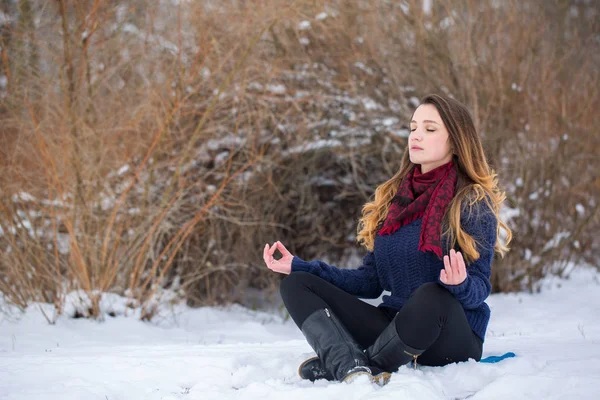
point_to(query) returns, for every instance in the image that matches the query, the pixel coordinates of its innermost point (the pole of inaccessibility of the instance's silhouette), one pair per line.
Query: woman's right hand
(284, 264)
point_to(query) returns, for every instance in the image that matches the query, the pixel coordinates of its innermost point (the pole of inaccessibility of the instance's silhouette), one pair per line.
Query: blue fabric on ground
(495, 359)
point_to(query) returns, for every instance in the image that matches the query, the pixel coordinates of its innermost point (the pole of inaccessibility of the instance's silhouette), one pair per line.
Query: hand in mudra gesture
(284, 264)
(455, 270)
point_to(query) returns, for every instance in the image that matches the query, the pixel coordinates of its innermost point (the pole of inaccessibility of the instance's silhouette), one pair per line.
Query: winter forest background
(151, 148)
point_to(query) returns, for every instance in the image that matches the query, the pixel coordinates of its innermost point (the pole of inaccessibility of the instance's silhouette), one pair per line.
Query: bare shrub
(149, 145)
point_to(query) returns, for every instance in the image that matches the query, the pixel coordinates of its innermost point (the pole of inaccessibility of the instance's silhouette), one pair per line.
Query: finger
(443, 276)
(269, 259)
(273, 248)
(454, 263)
(462, 266)
(265, 252)
(282, 249)
(448, 268)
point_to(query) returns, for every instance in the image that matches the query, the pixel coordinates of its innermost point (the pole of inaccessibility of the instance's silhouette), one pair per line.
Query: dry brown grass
(187, 97)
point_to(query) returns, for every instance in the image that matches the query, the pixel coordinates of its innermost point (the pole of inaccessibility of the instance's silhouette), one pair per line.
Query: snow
(364, 68)
(556, 239)
(5, 19)
(123, 170)
(390, 121)
(236, 353)
(24, 196)
(277, 89)
(427, 6)
(154, 39)
(371, 104)
(304, 25)
(507, 213)
(315, 145)
(255, 86)
(534, 196)
(402, 133)
(519, 182)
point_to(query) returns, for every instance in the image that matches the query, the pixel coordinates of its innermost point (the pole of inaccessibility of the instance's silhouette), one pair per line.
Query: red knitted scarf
(423, 195)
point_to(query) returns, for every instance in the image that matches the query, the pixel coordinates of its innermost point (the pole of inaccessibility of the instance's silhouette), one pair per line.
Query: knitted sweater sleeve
(481, 224)
(362, 282)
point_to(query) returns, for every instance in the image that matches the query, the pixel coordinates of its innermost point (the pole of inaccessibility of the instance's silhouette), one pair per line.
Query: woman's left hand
(455, 270)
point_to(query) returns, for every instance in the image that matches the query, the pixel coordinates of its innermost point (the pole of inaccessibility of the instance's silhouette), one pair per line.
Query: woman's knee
(434, 297)
(431, 289)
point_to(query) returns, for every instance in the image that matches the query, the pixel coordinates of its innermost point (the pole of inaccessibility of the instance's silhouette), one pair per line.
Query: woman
(430, 233)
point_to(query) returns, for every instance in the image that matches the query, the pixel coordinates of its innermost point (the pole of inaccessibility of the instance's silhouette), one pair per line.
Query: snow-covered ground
(236, 353)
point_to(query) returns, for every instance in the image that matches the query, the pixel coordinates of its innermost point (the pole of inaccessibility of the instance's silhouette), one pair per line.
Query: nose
(416, 135)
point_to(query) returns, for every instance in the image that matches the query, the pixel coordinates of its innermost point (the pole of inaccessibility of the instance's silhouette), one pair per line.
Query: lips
(415, 148)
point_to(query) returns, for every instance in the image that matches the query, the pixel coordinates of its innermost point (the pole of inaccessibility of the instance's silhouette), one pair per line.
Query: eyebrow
(427, 120)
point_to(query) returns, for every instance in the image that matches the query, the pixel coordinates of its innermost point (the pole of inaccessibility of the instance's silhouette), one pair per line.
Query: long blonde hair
(476, 181)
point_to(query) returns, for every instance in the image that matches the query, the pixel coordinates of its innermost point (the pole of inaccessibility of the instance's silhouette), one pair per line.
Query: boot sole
(380, 379)
(303, 364)
(350, 378)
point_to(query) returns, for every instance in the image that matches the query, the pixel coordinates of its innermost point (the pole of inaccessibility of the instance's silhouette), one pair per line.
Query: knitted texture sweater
(395, 265)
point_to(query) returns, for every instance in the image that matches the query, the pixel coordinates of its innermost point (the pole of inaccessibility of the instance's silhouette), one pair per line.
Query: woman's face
(428, 142)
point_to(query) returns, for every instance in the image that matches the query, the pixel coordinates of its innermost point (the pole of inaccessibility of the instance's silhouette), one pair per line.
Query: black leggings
(431, 319)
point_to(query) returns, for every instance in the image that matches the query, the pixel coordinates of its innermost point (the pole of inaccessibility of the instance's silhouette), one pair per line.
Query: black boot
(341, 356)
(389, 352)
(313, 369)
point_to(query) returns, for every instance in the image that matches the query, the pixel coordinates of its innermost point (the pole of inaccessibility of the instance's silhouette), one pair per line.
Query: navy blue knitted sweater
(397, 266)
